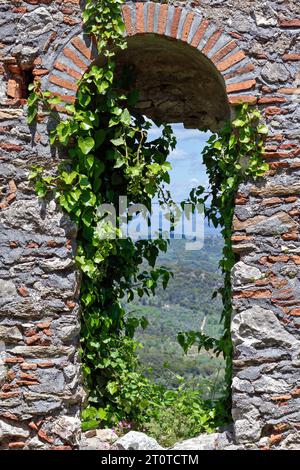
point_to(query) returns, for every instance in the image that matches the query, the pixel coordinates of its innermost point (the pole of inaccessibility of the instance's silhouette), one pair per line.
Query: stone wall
(254, 46)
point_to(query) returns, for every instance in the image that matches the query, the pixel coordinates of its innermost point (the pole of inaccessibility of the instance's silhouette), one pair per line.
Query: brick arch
(174, 22)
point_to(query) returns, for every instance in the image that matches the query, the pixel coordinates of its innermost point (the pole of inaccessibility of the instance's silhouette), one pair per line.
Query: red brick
(42, 435)
(13, 360)
(273, 110)
(81, 47)
(289, 91)
(240, 99)
(32, 339)
(291, 23)
(8, 415)
(28, 366)
(211, 41)
(240, 238)
(75, 59)
(33, 426)
(16, 445)
(224, 51)
(293, 236)
(150, 17)
(61, 448)
(278, 259)
(127, 19)
(291, 57)
(23, 291)
(162, 18)
(271, 201)
(231, 60)
(140, 27)
(275, 438)
(295, 312)
(241, 199)
(296, 392)
(70, 21)
(8, 395)
(295, 259)
(52, 243)
(21, 10)
(45, 364)
(32, 245)
(281, 398)
(14, 89)
(246, 85)
(199, 33)
(275, 165)
(290, 199)
(239, 71)
(27, 382)
(175, 22)
(66, 98)
(11, 147)
(253, 294)
(40, 72)
(45, 324)
(25, 376)
(63, 83)
(187, 26)
(271, 99)
(70, 303)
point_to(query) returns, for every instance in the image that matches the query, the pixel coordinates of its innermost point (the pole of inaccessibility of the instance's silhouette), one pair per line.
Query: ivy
(108, 154)
(232, 156)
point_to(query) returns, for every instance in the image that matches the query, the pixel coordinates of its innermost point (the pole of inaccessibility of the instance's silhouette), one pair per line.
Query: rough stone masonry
(253, 49)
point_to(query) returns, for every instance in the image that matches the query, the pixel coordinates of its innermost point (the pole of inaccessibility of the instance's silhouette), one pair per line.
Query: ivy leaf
(117, 142)
(262, 129)
(86, 145)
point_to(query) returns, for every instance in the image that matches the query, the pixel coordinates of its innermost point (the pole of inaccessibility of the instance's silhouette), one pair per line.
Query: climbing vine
(232, 156)
(109, 154)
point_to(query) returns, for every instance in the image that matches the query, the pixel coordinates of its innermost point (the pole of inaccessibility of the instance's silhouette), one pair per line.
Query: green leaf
(86, 144)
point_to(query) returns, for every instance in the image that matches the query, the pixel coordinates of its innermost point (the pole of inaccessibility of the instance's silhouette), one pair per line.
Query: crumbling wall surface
(40, 372)
(40, 391)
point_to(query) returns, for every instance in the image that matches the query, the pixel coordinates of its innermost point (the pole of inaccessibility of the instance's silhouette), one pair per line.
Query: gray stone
(267, 226)
(10, 334)
(93, 443)
(35, 443)
(265, 16)
(275, 72)
(259, 328)
(25, 55)
(7, 289)
(57, 264)
(137, 441)
(68, 429)
(201, 442)
(8, 431)
(271, 385)
(247, 425)
(244, 274)
(7, 113)
(292, 442)
(107, 435)
(35, 23)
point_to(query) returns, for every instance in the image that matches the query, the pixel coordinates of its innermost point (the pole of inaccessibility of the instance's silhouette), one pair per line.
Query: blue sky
(188, 170)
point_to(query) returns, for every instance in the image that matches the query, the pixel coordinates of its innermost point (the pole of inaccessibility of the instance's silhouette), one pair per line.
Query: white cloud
(178, 154)
(181, 133)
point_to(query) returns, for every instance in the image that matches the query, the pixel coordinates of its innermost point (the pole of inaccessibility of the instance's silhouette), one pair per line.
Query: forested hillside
(186, 304)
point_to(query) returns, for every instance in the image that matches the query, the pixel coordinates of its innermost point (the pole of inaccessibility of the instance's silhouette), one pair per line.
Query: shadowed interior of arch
(176, 83)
